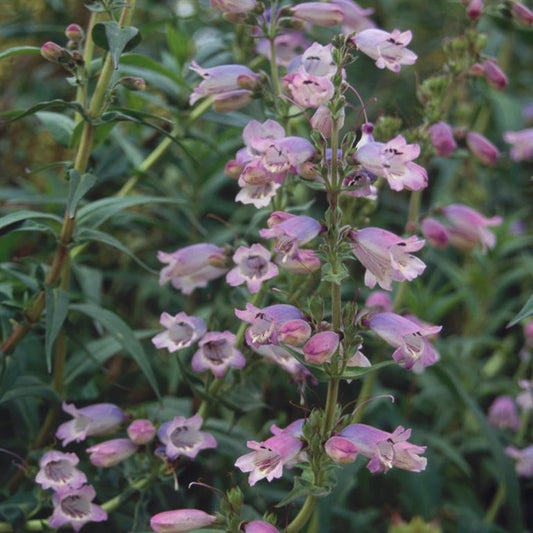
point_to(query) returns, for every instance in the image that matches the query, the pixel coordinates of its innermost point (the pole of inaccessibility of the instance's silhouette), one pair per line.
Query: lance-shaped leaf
(12, 221)
(526, 311)
(116, 40)
(56, 311)
(20, 51)
(79, 186)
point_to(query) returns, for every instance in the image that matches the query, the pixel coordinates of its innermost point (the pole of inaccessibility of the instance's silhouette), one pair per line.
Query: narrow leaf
(124, 335)
(115, 39)
(17, 114)
(56, 311)
(12, 220)
(79, 186)
(59, 125)
(526, 311)
(20, 51)
(24, 386)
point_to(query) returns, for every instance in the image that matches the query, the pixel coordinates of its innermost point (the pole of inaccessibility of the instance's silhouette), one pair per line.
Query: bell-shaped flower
(355, 17)
(222, 79)
(266, 323)
(253, 267)
(394, 162)
(322, 120)
(385, 450)
(58, 470)
(97, 419)
(386, 256)
(193, 266)
(255, 133)
(442, 139)
(259, 526)
(481, 148)
(491, 71)
(316, 60)
(182, 436)
(141, 431)
(216, 352)
(320, 347)
(387, 49)
(111, 452)
(181, 332)
(75, 508)
(319, 13)
(523, 458)
(181, 521)
(258, 185)
(521, 144)
(308, 90)
(231, 100)
(413, 350)
(504, 414)
(467, 227)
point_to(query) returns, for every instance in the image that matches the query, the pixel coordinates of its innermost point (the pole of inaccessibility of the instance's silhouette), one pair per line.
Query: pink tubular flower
(320, 347)
(97, 419)
(253, 267)
(521, 144)
(385, 450)
(141, 431)
(355, 17)
(308, 90)
(182, 436)
(181, 521)
(468, 227)
(181, 332)
(193, 266)
(394, 162)
(217, 352)
(522, 14)
(386, 256)
(481, 148)
(111, 452)
(413, 350)
(441, 135)
(340, 450)
(319, 13)
(58, 470)
(524, 460)
(221, 80)
(492, 73)
(259, 526)
(435, 232)
(379, 301)
(74, 507)
(387, 49)
(503, 413)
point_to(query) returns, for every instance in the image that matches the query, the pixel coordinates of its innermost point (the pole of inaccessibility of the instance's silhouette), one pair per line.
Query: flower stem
(497, 502)
(303, 516)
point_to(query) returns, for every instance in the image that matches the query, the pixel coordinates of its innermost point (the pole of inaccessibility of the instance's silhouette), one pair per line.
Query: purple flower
(258, 185)
(217, 353)
(141, 431)
(340, 450)
(524, 460)
(253, 267)
(259, 526)
(97, 419)
(413, 350)
(181, 332)
(521, 144)
(299, 261)
(319, 13)
(468, 227)
(522, 14)
(74, 507)
(320, 347)
(386, 256)
(223, 80)
(503, 413)
(355, 17)
(435, 232)
(481, 148)
(181, 521)
(265, 324)
(441, 135)
(490, 70)
(111, 452)
(379, 301)
(387, 49)
(182, 436)
(394, 162)
(322, 120)
(192, 266)
(308, 90)
(58, 470)
(385, 450)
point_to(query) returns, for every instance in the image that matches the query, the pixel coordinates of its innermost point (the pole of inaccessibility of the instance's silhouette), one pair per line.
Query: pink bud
(133, 83)
(141, 431)
(341, 450)
(482, 148)
(522, 14)
(319, 13)
(74, 32)
(294, 332)
(53, 52)
(494, 74)
(441, 135)
(111, 452)
(474, 10)
(435, 233)
(259, 526)
(321, 347)
(180, 521)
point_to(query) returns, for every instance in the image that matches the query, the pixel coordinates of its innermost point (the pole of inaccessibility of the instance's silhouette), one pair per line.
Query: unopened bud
(522, 14)
(233, 169)
(494, 74)
(482, 148)
(132, 83)
(72, 45)
(74, 32)
(55, 53)
(474, 10)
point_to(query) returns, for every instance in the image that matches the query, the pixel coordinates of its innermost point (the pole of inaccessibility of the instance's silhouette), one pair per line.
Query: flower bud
(259, 526)
(55, 53)
(522, 14)
(74, 32)
(442, 139)
(319, 13)
(141, 431)
(474, 10)
(133, 83)
(494, 74)
(341, 450)
(111, 452)
(180, 521)
(294, 332)
(435, 233)
(482, 148)
(233, 169)
(321, 347)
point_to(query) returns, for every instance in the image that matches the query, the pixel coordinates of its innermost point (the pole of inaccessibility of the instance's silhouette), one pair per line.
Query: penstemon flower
(523, 458)
(141, 431)
(181, 521)
(181, 332)
(111, 452)
(259, 526)
(504, 414)
(58, 470)
(216, 352)
(521, 144)
(319, 13)
(253, 267)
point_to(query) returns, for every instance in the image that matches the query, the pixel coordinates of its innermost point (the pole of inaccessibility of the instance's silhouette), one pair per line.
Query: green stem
(497, 502)
(303, 516)
(273, 66)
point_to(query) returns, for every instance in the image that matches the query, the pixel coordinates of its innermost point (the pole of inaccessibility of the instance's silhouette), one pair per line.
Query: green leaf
(116, 40)
(59, 125)
(354, 372)
(180, 44)
(526, 311)
(303, 488)
(149, 65)
(24, 386)
(20, 51)
(17, 114)
(98, 212)
(13, 220)
(56, 311)
(90, 234)
(124, 335)
(78, 187)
